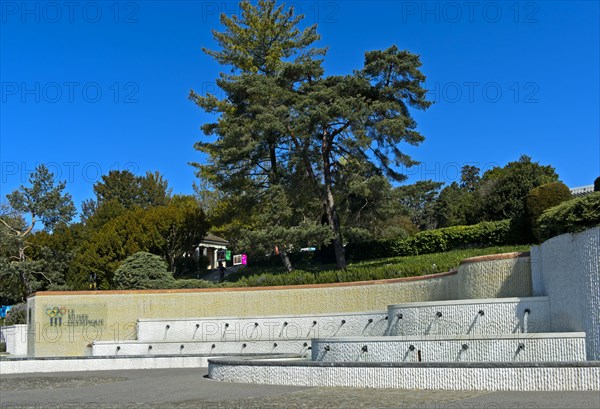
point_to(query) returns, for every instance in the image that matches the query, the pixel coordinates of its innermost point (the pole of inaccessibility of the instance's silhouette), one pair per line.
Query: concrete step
(484, 316)
(541, 347)
(373, 323)
(176, 348)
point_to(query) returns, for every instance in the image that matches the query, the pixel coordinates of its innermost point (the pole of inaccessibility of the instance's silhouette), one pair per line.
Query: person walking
(222, 270)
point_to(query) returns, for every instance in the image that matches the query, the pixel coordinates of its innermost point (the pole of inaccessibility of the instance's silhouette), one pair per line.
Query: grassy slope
(361, 271)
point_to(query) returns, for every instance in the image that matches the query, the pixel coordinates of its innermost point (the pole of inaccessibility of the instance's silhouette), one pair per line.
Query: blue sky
(88, 87)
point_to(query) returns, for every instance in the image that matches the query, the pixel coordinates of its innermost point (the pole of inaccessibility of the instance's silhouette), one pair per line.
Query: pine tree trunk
(332, 217)
(22, 275)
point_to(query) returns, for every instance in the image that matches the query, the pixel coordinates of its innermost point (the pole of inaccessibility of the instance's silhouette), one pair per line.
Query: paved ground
(189, 388)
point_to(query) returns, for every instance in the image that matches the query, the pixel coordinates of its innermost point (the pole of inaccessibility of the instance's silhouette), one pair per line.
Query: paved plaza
(190, 388)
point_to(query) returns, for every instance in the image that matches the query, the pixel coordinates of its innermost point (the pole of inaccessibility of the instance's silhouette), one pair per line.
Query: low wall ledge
(268, 360)
(493, 257)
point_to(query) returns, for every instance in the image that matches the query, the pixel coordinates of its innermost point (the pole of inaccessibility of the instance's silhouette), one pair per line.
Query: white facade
(15, 337)
(566, 268)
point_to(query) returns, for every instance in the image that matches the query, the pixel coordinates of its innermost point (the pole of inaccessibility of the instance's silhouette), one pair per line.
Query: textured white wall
(554, 347)
(500, 316)
(15, 337)
(268, 328)
(14, 366)
(493, 379)
(570, 277)
(503, 277)
(102, 348)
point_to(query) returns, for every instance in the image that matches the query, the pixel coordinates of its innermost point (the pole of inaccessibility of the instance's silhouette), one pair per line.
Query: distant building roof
(582, 191)
(212, 239)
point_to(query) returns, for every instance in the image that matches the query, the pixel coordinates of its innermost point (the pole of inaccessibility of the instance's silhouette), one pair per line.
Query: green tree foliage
(459, 204)
(418, 200)
(171, 231)
(122, 190)
(503, 190)
(142, 271)
(369, 208)
(572, 216)
(282, 117)
(597, 184)
(43, 200)
(544, 197)
(450, 206)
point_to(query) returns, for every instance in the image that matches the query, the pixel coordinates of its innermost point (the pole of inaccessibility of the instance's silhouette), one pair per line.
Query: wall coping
(506, 300)
(270, 317)
(493, 257)
(521, 336)
(267, 360)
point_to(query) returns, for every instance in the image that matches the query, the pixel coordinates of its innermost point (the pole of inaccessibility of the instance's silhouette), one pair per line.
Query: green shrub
(484, 234)
(16, 315)
(542, 198)
(143, 271)
(570, 217)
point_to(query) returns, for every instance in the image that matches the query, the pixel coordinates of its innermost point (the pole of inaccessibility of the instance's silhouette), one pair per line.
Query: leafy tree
(141, 271)
(282, 117)
(597, 184)
(469, 178)
(460, 203)
(503, 190)
(123, 189)
(369, 208)
(270, 55)
(170, 231)
(450, 206)
(418, 200)
(43, 200)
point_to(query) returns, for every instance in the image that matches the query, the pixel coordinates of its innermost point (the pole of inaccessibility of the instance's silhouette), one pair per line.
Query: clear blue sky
(92, 86)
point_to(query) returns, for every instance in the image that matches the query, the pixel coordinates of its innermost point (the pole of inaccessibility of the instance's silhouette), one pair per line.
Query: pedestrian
(222, 270)
(93, 279)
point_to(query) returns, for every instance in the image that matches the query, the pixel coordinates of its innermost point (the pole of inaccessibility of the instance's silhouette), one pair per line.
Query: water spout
(526, 314)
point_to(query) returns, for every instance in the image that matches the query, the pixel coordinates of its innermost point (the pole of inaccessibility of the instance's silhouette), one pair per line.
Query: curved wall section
(567, 270)
(504, 275)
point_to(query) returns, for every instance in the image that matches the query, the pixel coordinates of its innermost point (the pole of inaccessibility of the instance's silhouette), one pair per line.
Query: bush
(16, 315)
(143, 271)
(504, 232)
(542, 198)
(570, 217)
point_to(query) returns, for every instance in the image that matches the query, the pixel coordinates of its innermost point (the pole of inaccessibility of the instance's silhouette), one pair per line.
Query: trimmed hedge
(570, 217)
(542, 198)
(500, 233)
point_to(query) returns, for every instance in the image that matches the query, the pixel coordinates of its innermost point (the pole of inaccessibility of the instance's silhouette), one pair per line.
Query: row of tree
(129, 214)
(133, 213)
